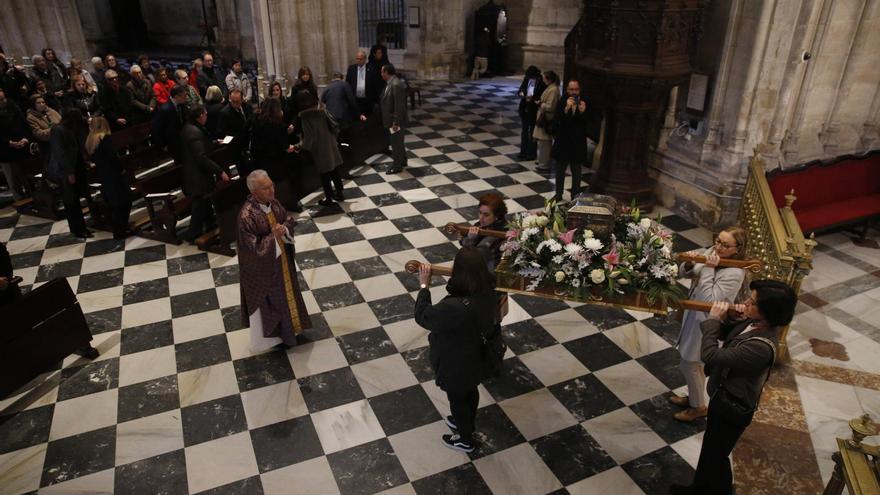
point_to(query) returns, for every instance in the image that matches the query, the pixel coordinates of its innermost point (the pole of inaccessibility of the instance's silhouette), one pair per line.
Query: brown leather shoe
(691, 414)
(680, 401)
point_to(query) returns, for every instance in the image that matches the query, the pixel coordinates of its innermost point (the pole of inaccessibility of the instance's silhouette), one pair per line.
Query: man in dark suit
(169, 120)
(395, 116)
(235, 120)
(365, 83)
(199, 171)
(341, 103)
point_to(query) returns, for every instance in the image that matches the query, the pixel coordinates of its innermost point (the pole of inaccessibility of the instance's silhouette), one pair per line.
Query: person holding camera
(738, 369)
(570, 147)
(457, 325)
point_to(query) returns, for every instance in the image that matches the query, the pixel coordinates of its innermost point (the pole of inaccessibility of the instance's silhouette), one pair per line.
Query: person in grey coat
(341, 103)
(395, 116)
(319, 139)
(738, 371)
(708, 283)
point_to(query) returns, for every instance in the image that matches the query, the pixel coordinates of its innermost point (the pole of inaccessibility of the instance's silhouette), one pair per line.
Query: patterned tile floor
(178, 403)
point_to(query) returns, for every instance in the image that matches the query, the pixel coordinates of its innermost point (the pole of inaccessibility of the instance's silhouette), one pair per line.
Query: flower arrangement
(636, 256)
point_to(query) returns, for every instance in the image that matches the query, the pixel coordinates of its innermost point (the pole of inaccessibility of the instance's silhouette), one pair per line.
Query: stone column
(442, 39)
(29, 26)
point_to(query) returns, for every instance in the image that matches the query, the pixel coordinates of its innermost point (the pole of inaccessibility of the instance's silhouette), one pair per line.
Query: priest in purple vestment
(271, 302)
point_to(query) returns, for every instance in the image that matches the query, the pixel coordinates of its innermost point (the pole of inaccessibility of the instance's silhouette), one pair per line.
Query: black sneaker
(455, 442)
(326, 202)
(450, 422)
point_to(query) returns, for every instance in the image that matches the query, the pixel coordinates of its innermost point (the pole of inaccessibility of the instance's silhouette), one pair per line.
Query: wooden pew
(44, 198)
(133, 136)
(40, 329)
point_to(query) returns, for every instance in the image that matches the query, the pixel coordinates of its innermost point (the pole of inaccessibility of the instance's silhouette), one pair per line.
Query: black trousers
(528, 147)
(70, 195)
(119, 214)
(329, 180)
(576, 173)
(202, 217)
(723, 429)
(398, 150)
(463, 406)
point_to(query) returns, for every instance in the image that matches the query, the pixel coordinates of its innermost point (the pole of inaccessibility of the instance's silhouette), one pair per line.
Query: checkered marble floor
(178, 403)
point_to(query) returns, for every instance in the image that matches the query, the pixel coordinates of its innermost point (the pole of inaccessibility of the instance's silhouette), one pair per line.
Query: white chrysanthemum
(560, 276)
(554, 245)
(593, 244)
(673, 270)
(573, 249)
(558, 259)
(597, 276)
(575, 282)
(645, 223)
(588, 234)
(666, 251)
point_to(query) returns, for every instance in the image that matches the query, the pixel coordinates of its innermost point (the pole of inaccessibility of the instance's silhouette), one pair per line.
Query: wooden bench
(44, 198)
(40, 329)
(840, 193)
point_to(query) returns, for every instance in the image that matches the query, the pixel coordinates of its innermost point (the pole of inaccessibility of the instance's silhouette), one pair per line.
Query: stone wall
(30, 26)
(537, 32)
(764, 95)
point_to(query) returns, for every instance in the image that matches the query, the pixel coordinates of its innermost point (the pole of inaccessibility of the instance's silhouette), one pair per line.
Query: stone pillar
(442, 40)
(29, 26)
(321, 34)
(537, 31)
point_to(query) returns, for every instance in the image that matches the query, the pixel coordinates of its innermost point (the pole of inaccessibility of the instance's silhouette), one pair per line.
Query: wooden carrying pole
(412, 266)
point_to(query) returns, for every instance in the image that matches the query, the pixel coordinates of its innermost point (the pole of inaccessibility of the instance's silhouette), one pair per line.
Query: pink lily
(512, 234)
(612, 258)
(567, 237)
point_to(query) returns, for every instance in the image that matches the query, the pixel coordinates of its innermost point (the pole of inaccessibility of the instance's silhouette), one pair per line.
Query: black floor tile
(411, 224)
(337, 296)
(460, 480)
(27, 260)
(664, 365)
(392, 309)
(61, 269)
(63, 239)
(526, 336)
(249, 486)
(187, 264)
(368, 468)
(439, 253)
(330, 389)
(285, 443)
(145, 255)
(667, 327)
(655, 472)
(494, 432)
(515, 379)
(88, 379)
(366, 345)
(387, 199)
(315, 258)
(343, 235)
(202, 352)
(391, 244)
(420, 363)
(145, 291)
(404, 409)
(586, 397)
(366, 268)
(537, 306)
(232, 318)
(105, 320)
(105, 246)
(148, 398)
(213, 419)
(596, 351)
(657, 413)
(225, 275)
(99, 280)
(261, 370)
(194, 302)
(79, 455)
(26, 428)
(572, 454)
(28, 231)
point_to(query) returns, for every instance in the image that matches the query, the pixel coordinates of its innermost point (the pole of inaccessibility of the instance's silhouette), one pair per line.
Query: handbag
(492, 349)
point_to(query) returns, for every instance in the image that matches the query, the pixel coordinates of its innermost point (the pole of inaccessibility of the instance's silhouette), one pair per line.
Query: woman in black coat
(115, 186)
(457, 325)
(529, 93)
(305, 81)
(81, 98)
(66, 166)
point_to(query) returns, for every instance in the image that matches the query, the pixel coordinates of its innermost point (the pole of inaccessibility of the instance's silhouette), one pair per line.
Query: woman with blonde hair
(709, 283)
(115, 185)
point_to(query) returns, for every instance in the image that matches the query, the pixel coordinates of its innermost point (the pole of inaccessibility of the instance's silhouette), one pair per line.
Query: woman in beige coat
(546, 113)
(41, 118)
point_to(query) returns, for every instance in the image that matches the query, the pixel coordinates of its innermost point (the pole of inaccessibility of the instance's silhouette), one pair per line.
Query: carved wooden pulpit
(627, 54)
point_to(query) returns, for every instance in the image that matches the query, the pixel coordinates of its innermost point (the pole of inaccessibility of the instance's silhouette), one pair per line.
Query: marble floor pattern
(178, 403)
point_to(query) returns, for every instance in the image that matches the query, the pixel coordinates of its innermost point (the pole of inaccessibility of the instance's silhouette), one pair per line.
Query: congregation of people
(71, 112)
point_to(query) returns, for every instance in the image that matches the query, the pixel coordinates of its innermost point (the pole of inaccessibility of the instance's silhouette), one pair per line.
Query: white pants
(696, 382)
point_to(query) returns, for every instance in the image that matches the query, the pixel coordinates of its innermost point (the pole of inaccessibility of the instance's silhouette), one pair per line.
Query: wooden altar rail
(752, 265)
(413, 266)
(775, 238)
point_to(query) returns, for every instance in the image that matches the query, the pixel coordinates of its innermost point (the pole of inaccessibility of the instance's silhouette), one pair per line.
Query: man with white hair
(98, 71)
(271, 301)
(365, 83)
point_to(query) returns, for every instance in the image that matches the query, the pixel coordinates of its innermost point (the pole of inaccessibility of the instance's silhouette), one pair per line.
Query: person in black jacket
(209, 75)
(81, 98)
(305, 81)
(169, 121)
(198, 171)
(235, 120)
(15, 134)
(66, 165)
(365, 81)
(115, 186)
(9, 291)
(457, 325)
(529, 92)
(570, 145)
(115, 101)
(738, 371)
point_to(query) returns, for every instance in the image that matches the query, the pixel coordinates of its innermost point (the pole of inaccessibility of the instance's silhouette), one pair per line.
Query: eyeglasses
(724, 245)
